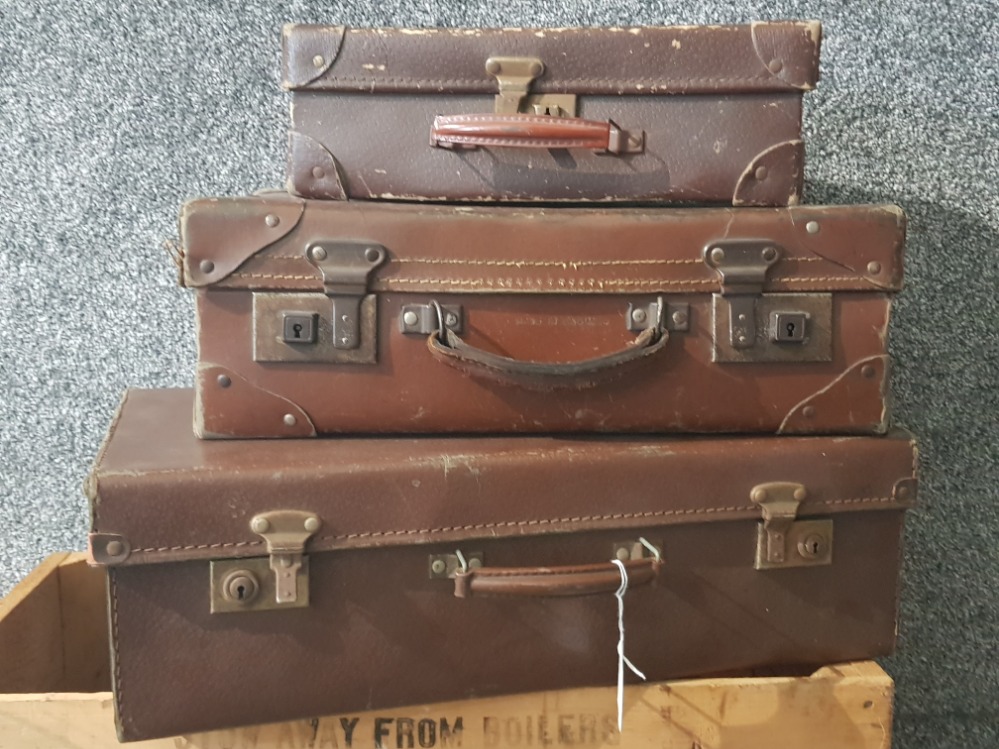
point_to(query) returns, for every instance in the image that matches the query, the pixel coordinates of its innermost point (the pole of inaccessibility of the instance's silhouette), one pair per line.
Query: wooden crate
(54, 686)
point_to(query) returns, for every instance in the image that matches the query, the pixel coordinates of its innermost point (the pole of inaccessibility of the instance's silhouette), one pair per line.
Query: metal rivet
(271, 220)
(800, 494)
(114, 548)
(318, 253)
(903, 492)
(868, 704)
(318, 172)
(207, 266)
(759, 495)
(742, 338)
(623, 554)
(775, 66)
(535, 68)
(679, 317)
(318, 61)
(290, 420)
(769, 253)
(438, 566)
(717, 254)
(874, 267)
(493, 67)
(224, 381)
(312, 524)
(811, 546)
(760, 173)
(812, 227)
(474, 563)
(260, 525)
(639, 315)
(808, 412)
(450, 319)
(867, 371)
(372, 255)
(743, 317)
(410, 318)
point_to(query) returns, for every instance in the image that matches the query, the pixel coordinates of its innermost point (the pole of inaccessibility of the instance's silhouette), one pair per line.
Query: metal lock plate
(808, 543)
(811, 314)
(272, 310)
(259, 586)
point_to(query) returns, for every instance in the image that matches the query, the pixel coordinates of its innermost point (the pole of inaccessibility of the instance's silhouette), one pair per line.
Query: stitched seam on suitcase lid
(649, 85)
(118, 690)
(518, 524)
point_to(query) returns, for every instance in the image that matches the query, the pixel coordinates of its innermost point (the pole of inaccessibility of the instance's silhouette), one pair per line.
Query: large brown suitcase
(684, 113)
(325, 316)
(261, 581)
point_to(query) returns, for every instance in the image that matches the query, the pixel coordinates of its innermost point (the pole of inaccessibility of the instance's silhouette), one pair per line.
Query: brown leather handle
(581, 580)
(535, 375)
(530, 131)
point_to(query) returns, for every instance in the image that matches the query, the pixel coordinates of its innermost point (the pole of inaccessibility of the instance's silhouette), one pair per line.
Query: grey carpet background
(112, 114)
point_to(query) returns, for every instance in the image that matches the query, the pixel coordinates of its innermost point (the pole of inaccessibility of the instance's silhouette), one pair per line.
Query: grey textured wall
(111, 114)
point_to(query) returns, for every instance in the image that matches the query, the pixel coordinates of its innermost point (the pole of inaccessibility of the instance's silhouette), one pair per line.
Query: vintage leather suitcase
(710, 114)
(257, 581)
(320, 317)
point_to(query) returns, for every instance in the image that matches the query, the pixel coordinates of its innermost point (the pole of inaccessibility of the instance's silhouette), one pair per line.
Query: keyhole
(241, 589)
(297, 327)
(790, 330)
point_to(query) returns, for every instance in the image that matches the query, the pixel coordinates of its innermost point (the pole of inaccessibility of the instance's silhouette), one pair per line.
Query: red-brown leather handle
(534, 375)
(580, 580)
(527, 131)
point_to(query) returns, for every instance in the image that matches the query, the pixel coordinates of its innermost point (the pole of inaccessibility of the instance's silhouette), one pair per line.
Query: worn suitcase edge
(774, 56)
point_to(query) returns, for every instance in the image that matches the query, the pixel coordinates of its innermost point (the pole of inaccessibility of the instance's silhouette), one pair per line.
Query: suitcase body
(333, 569)
(702, 114)
(576, 319)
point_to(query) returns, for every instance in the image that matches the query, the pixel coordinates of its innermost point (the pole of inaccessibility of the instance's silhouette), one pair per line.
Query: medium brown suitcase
(262, 581)
(710, 114)
(325, 316)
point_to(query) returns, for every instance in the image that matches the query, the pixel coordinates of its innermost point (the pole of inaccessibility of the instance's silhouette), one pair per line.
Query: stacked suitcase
(505, 397)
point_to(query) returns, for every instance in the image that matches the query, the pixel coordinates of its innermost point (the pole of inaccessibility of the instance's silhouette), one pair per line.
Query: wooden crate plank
(819, 712)
(30, 631)
(84, 626)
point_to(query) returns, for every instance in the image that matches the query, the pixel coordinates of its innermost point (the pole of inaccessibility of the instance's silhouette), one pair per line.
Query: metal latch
(514, 75)
(743, 265)
(346, 267)
(285, 532)
(782, 540)
(444, 566)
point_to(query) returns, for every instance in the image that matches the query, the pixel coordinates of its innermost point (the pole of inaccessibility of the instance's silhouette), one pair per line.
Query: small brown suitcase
(262, 581)
(709, 114)
(326, 316)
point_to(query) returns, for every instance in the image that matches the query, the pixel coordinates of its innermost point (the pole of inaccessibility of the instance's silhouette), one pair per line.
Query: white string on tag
(622, 659)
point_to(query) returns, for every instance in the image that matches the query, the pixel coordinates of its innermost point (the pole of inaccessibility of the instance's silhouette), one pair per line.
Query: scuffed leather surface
(399, 491)
(528, 250)
(375, 618)
(553, 286)
(642, 60)
(696, 148)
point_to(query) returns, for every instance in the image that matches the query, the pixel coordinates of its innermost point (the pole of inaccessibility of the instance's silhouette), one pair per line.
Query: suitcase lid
(263, 243)
(159, 494)
(761, 56)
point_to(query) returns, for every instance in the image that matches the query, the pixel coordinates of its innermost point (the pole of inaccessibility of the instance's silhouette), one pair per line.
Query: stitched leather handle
(534, 375)
(530, 131)
(581, 580)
